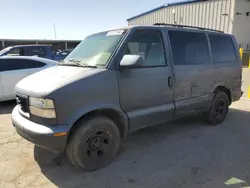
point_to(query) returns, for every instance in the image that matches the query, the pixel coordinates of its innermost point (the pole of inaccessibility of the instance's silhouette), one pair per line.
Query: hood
(46, 81)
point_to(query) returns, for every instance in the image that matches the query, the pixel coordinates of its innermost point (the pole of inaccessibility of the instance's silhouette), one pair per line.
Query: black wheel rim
(97, 146)
(220, 108)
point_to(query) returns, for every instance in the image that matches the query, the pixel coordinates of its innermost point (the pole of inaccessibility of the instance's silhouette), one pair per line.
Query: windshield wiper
(76, 63)
(89, 66)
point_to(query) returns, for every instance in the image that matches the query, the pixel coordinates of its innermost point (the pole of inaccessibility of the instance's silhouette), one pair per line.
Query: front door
(11, 73)
(13, 70)
(1, 85)
(145, 93)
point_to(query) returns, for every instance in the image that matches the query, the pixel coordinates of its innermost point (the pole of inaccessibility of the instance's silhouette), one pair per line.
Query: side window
(31, 64)
(14, 52)
(19, 51)
(189, 48)
(149, 45)
(222, 49)
(37, 51)
(18, 64)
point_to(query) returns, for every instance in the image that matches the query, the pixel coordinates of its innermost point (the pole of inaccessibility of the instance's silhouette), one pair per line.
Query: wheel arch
(225, 90)
(120, 119)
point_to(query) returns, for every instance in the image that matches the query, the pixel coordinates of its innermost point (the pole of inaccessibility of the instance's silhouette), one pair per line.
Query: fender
(103, 106)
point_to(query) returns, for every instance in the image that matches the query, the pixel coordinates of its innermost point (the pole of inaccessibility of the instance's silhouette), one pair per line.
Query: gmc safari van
(118, 81)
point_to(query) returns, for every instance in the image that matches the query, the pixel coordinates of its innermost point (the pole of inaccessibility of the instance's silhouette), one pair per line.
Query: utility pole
(54, 26)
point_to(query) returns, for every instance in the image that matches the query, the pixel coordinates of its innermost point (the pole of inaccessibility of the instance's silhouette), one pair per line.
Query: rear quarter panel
(229, 74)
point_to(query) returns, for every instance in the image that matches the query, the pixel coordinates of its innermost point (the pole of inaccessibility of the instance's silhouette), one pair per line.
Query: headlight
(41, 103)
(42, 107)
(45, 113)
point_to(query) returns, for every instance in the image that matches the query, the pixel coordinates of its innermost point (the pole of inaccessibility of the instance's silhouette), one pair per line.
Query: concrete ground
(185, 153)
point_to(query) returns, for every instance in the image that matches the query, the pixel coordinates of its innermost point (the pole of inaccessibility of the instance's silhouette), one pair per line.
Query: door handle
(170, 81)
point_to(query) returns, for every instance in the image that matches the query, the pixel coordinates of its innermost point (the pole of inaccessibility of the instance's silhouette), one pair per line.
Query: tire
(94, 144)
(218, 109)
(70, 153)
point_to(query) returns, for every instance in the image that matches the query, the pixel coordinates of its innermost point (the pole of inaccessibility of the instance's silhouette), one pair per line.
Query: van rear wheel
(94, 144)
(219, 108)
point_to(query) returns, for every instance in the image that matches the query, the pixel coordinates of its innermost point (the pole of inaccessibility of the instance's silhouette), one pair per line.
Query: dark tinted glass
(37, 51)
(17, 64)
(189, 48)
(147, 44)
(222, 49)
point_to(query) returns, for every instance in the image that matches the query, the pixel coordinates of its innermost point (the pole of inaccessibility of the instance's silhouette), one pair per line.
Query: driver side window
(149, 45)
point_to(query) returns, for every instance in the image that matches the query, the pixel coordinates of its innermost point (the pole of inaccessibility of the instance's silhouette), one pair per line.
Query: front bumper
(40, 135)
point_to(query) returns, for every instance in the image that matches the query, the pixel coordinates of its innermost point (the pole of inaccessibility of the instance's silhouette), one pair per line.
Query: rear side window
(18, 64)
(189, 48)
(222, 49)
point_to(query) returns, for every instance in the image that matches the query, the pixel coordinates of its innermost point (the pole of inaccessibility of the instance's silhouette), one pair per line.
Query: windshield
(95, 50)
(4, 50)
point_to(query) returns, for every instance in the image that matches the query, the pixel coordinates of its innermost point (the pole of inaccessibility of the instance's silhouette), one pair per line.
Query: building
(229, 16)
(57, 44)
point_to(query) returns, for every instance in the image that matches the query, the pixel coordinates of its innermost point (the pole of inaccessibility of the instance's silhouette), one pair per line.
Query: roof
(35, 58)
(39, 40)
(28, 45)
(163, 6)
(187, 27)
(176, 26)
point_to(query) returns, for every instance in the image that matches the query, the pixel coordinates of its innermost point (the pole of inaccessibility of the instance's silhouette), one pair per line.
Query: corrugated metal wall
(207, 14)
(241, 28)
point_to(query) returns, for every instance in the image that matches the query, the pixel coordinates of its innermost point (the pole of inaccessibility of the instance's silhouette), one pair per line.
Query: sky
(73, 19)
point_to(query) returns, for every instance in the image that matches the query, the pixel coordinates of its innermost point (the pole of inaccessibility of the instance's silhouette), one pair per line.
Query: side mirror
(131, 61)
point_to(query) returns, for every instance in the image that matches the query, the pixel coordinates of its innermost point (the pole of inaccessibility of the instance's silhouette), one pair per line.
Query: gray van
(118, 81)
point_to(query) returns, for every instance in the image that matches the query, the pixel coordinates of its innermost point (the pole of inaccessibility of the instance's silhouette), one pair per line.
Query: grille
(23, 102)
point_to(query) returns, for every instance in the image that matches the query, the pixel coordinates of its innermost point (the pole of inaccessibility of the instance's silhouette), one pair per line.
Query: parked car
(63, 52)
(13, 69)
(44, 51)
(118, 81)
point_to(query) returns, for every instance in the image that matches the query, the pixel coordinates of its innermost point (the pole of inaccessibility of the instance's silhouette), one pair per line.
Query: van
(119, 81)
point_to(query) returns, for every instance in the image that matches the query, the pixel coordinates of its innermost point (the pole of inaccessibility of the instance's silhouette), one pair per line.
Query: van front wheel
(219, 108)
(94, 144)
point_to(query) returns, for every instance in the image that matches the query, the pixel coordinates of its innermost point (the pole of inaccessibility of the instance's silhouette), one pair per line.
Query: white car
(15, 68)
